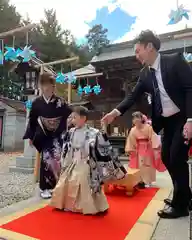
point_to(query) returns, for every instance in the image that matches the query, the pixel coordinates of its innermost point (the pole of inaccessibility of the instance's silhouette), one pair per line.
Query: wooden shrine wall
(119, 79)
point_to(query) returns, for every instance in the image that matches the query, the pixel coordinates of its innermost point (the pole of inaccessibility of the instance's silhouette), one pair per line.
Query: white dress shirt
(168, 106)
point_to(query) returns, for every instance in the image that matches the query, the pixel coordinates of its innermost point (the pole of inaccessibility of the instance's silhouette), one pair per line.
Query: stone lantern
(29, 78)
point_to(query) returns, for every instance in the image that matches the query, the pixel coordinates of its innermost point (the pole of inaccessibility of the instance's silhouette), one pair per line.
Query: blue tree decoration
(97, 89)
(11, 54)
(188, 56)
(28, 104)
(80, 90)
(177, 15)
(60, 78)
(26, 54)
(65, 78)
(87, 89)
(71, 78)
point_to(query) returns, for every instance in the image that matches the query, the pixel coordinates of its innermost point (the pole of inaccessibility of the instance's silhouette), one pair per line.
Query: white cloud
(72, 14)
(154, 15)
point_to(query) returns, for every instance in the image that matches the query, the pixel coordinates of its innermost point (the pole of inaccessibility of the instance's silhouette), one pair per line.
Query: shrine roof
(169, 41)
(87, 71)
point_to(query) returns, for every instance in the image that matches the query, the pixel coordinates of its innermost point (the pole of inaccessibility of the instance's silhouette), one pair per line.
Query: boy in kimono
(88, 162)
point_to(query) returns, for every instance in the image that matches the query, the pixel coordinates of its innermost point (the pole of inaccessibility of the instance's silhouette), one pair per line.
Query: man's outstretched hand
(109, 117)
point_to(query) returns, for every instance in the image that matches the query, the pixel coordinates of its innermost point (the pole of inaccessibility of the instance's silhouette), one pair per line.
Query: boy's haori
(104, 164)
(87, 162)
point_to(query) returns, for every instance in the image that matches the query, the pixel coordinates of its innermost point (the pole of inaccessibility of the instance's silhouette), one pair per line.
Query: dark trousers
(175, 157)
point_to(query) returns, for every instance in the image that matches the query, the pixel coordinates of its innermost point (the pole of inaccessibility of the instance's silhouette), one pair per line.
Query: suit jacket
(177, 79)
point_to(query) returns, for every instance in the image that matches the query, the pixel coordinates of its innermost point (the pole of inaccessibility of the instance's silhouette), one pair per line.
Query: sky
(124, 19)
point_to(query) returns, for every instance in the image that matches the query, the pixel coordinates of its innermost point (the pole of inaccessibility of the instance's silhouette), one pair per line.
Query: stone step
(16, 169)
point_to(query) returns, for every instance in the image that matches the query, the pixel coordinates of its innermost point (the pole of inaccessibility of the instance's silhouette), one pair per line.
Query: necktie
(157, 99)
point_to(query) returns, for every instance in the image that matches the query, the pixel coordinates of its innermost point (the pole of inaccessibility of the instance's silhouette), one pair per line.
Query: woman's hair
(138, 115)
(81, 111)
(46, 78)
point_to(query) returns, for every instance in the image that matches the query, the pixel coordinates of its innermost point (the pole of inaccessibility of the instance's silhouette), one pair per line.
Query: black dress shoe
(171, 213)
(168, 202)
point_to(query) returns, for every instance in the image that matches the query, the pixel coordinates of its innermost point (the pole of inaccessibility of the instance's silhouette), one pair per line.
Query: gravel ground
(14, 187)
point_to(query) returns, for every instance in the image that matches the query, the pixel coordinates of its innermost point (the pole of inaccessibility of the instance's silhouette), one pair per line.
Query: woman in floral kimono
(47, 122)
(143, 147)
(88, 162)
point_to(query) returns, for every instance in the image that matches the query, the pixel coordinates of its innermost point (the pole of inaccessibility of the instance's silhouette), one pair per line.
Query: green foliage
(10, 84)
(9, 16)
(50, 42)
(97, 38)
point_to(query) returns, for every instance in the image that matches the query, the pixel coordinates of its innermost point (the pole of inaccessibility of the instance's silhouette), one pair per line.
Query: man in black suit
(168, 78)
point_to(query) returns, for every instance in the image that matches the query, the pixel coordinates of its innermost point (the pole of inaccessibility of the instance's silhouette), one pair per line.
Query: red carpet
(50, 224)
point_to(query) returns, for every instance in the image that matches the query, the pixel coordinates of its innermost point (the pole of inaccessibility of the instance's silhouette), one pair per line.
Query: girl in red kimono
(143, 146)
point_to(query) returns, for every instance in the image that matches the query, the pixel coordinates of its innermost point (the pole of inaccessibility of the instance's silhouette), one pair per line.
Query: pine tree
(9, 19)
(97, 38)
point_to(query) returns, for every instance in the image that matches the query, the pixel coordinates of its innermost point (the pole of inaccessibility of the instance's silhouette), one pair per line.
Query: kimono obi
(51, 124)
(144, 146)
(142, 141)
